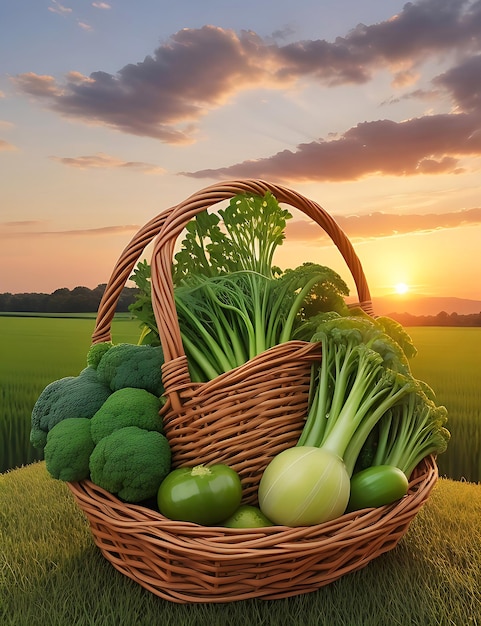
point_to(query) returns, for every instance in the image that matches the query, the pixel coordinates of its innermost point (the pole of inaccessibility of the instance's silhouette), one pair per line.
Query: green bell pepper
(376, 486)
(202, 494)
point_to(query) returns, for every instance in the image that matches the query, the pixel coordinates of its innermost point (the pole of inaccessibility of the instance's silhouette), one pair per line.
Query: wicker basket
(244, 418)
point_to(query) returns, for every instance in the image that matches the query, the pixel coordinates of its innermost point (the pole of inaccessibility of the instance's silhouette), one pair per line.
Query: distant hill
(424, 305)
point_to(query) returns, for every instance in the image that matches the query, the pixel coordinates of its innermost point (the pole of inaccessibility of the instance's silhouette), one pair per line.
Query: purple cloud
(196, 70)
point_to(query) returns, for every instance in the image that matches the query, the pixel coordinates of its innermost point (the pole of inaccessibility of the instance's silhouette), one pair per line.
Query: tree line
(77, 300)
(85, 300)
(441, 319)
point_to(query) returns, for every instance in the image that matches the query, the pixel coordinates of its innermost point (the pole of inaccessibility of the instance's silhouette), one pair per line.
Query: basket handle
(178, 217)
(120, 275)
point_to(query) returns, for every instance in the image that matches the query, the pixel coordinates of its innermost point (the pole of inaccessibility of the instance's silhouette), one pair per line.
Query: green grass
(35, 352)
(449, 360)
(38, 350)
(52, 574)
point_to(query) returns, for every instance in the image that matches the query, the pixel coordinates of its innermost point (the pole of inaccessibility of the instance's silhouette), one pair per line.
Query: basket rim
(115, 512)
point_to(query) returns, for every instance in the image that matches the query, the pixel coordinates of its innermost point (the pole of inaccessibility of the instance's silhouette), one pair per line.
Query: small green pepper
(247, 516)
(202, 494)
(376, 486)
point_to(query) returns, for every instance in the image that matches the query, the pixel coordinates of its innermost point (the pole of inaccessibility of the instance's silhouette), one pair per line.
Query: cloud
(464, 83)
(5, 146)
(23, 224)
(161, 96)
(430, 144)
(58, 8)
(26, 229)
(38, 85)
(361, 227)
(196, 70)
(106, 161)
(83, 25)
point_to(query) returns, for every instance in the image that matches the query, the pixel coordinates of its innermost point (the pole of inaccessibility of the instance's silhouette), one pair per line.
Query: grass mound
(52, 574)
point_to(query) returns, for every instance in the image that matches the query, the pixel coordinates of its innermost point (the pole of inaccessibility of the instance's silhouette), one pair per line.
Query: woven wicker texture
(244, 418)
(184, 562)
(248, 415)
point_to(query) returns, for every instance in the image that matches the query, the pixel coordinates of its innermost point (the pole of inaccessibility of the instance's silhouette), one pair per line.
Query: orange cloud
(431, 144)
(40, 86)
(6, 146)
(385, 225)
(10, 230)
(106, 161)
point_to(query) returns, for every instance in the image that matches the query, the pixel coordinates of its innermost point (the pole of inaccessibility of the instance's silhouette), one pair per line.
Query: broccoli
(376, 333)
(96, 352)
(353, 389)
(367, 405)
(129, 365)
(410, 432)
(361, 379)
(68, 449)
(127, 407)
(131, 462)
(73, 396)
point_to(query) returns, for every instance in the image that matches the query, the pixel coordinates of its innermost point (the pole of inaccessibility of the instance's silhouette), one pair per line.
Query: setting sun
(401, 288)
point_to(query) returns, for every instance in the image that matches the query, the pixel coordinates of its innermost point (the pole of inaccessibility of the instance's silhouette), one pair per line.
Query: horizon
(416, 305)
(370, 109)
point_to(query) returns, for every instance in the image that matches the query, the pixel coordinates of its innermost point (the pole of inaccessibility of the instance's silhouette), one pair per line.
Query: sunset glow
(137, 106)
(401, 288)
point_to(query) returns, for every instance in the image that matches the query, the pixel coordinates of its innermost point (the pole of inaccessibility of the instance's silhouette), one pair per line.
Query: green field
(448, 359)
(35, 352)
(39, 350)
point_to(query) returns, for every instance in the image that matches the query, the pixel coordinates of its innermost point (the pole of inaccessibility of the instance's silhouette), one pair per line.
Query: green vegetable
(127, 407)
(253, 229)
(142, 305)
(69, 397)
(68, 449)
(355, 386)
(129, 365)
(201, 494)
(131, 462)
(232, 303)
(303, 486)
(376, 486)
(352, 390)
(96, 352)
(410, 432)
(247, 516)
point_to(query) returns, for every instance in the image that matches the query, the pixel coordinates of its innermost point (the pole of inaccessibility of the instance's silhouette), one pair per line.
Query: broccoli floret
(129, 365)
(96, 352)
(396, 331)
(73, 396)
(131, 462)
(127, 407)
(373, 335)
(68, 449)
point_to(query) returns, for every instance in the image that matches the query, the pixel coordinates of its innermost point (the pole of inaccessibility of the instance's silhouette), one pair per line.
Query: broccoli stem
(342, 415)
(414, 430)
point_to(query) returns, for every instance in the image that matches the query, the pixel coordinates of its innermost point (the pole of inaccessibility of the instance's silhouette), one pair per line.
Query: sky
(111, 112)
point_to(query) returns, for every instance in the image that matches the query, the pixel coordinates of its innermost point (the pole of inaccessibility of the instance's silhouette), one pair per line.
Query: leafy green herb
(142, 305)
(232, 302)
